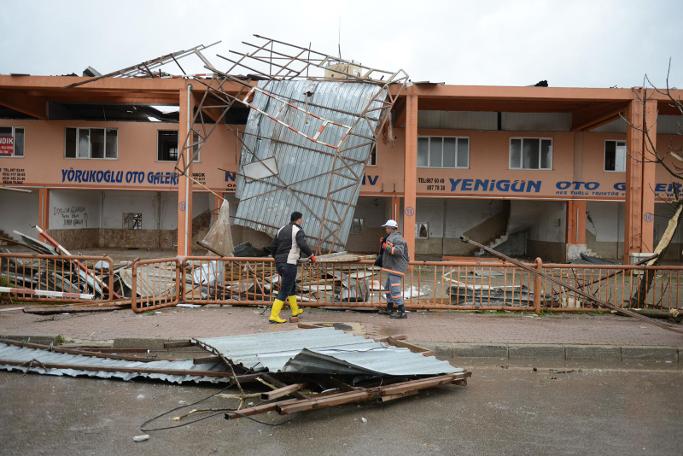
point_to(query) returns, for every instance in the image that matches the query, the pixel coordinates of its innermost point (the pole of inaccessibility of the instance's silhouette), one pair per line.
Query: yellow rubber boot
(275, 312)
(296, 310)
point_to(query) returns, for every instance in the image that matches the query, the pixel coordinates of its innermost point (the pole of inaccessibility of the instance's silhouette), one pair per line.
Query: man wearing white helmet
(395, 263)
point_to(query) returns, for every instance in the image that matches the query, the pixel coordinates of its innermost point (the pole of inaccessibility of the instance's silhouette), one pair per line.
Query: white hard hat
(391, 224)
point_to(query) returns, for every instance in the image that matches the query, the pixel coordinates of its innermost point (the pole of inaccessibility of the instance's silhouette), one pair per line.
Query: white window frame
(457, 152)
(199, 148)
(540, 139)
(604, 150)
(89, 157)
(13, 127)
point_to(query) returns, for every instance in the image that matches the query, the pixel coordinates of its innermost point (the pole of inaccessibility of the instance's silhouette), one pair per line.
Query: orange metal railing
(429, 285)
(155, 284)
(57, 278)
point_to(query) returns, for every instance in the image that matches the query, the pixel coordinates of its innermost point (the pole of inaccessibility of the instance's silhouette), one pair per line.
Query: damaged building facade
(530, 171)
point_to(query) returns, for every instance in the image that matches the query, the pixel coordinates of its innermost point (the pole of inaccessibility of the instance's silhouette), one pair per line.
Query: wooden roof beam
(24, 103)
(594, 116)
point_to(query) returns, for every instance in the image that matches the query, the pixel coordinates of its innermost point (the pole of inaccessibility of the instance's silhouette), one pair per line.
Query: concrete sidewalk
(503, 337)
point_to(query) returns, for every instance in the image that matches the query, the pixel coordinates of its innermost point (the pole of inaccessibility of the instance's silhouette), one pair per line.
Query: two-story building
(533, 171)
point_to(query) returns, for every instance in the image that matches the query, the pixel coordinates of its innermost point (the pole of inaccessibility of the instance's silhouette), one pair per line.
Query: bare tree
(670, 159)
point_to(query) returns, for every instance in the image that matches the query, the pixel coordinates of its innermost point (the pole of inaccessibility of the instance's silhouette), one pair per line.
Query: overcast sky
(570, 43)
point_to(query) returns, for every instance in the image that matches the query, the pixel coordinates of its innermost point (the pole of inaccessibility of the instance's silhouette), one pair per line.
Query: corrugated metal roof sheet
(324, 350)
(35, 357)
(305, 179)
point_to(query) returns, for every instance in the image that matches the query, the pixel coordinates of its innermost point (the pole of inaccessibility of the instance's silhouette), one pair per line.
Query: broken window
(12, 142)
(132, 220)
(167, 145)
(531, 153)
(91, 143)
(443, 152)
(615, 156)
(422, 230)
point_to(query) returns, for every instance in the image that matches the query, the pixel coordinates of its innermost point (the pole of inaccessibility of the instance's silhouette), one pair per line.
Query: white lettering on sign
(6, 145)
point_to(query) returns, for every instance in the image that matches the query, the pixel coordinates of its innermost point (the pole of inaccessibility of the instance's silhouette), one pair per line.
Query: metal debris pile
(285, 372)
(54, 273)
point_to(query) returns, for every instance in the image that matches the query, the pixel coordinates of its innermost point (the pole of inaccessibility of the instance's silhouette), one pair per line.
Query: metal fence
(56, 278)
(427, 285)
(155, 284)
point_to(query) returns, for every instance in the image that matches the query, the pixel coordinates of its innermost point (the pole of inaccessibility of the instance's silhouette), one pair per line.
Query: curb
(463, 353)
(608, 355)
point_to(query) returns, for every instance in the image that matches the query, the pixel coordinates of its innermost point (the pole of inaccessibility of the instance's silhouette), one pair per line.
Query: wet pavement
(502, 411)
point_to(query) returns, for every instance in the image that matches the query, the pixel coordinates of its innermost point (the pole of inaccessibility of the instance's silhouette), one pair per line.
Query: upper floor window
(443, 152)
(531, 153)
(167, 145)
(92, 143)
(615, 156)
(11, 142)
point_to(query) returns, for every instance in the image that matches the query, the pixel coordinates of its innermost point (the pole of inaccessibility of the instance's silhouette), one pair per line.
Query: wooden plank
(282, 392)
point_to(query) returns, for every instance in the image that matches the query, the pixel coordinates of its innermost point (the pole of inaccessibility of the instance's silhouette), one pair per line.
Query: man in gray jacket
(395, 263)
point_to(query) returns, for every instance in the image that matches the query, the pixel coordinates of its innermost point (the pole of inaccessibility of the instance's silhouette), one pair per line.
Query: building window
(132, 220)
(615, 156)
(422, 230)
(167, 145)
(92, 143)
(531, 153)
(443, 152)
(11, 142)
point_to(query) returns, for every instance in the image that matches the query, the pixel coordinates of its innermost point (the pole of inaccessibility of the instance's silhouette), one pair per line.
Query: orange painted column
(647, 226)
(639, 207)
(44, 208)
(410, 174)
(186, 104)
(576, 222)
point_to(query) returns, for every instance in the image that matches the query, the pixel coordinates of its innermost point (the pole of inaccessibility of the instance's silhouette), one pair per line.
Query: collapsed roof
(312, 124)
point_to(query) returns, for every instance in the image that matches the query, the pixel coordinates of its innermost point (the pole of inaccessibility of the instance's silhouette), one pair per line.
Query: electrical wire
(217, 412)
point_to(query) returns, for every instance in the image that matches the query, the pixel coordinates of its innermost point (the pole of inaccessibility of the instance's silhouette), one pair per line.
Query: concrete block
(593, 353)
(536, 352)
(650, 353)
(479, 351)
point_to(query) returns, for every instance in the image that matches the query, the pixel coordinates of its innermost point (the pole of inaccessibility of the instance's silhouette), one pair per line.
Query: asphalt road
(511, 411)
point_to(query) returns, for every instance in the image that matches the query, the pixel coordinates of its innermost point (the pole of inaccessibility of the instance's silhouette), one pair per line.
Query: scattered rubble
(287, 371)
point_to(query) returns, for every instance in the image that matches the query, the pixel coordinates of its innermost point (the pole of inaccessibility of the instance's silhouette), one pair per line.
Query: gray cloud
(577, 43)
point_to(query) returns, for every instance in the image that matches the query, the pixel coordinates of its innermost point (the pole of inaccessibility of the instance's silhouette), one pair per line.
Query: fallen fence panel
(56, 278)
(154, 283)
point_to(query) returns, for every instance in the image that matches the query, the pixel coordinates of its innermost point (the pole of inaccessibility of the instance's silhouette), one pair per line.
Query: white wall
(546, 220)
(116, 203)
(460, 215)
(20, 212)
(201, 202)
(74, 209)
(605, 221)
(159, 209)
